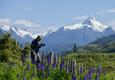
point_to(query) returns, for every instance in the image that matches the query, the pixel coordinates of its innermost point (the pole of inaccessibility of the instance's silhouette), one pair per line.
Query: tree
(9, 49)
(74, 48)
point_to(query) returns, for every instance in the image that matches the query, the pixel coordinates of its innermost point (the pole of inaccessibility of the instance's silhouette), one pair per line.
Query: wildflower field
(72, 66)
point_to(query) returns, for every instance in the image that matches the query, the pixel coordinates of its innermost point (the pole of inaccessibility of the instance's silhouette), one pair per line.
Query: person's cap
(38, 38)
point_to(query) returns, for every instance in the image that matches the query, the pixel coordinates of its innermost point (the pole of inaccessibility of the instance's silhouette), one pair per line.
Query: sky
(43, 15)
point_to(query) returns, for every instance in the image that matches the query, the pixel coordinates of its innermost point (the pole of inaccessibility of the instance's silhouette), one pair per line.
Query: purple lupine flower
(90, 76)
(42, 66)
(81, 69)
(54, 65)
(38, 66)
(73, 77)
(85, 77)
(49, 60)
(54, 62)
(61, 66)
(93, 70)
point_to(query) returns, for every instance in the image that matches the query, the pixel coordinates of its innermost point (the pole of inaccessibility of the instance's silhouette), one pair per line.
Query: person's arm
(41, 44)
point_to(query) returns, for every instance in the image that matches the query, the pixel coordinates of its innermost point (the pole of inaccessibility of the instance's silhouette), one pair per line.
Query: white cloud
(106, 11)
(42, 29)
(27, 23)
(5, 21)
(28, 9)
(80, 17)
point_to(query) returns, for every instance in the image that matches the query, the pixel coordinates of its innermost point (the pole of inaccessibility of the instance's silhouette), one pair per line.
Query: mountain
(104, 40)
(83, 33)
(104, 44)
(65, 37)
(22, 36)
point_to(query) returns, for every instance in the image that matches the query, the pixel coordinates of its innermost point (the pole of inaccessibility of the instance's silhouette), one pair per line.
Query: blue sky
(52, 14)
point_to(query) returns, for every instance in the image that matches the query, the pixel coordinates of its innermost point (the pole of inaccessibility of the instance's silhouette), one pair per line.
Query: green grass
(107, 61)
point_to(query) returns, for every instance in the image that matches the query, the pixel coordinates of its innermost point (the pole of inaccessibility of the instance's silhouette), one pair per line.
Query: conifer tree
(9, 49)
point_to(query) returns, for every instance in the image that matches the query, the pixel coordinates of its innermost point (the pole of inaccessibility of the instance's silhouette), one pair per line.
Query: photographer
(35, 46)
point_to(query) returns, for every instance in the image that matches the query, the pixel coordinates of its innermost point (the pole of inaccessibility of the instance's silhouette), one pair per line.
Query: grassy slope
(107, 60)
(94, 59)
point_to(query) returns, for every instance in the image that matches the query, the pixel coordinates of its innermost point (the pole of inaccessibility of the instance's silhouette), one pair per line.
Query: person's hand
(42, 44)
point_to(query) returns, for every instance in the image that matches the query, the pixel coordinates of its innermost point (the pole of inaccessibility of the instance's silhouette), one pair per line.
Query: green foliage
(92, 48)
(9, 49)
(27, 49)
(17, 72)
(60, 75)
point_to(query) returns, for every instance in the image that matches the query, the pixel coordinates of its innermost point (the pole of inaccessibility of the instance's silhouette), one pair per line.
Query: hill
(104, 44)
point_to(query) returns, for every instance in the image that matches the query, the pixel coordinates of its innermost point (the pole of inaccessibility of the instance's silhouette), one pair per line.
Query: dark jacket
(35, 45)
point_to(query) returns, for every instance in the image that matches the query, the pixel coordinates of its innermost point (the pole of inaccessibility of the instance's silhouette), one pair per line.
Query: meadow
(71, 66)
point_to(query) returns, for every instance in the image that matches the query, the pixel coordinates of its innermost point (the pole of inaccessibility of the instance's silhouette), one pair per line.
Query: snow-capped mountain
(82, 34)
(20, 35)
(65, 37)
(90, 22)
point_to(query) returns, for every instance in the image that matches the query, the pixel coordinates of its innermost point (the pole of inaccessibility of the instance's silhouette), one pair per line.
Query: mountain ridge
(65, 37)
(81, 34)
(21, 36)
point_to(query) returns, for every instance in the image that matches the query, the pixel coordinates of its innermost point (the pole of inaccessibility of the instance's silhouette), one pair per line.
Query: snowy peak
(20, 35)
(72, 27)
(5, 27)
(13, 29)
(94, 24)
(90, 22)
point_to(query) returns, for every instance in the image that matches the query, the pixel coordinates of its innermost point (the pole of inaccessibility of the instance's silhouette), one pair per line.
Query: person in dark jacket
(35, 46)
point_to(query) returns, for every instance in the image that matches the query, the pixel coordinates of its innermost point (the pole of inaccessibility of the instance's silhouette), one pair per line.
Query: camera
(42, 44)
